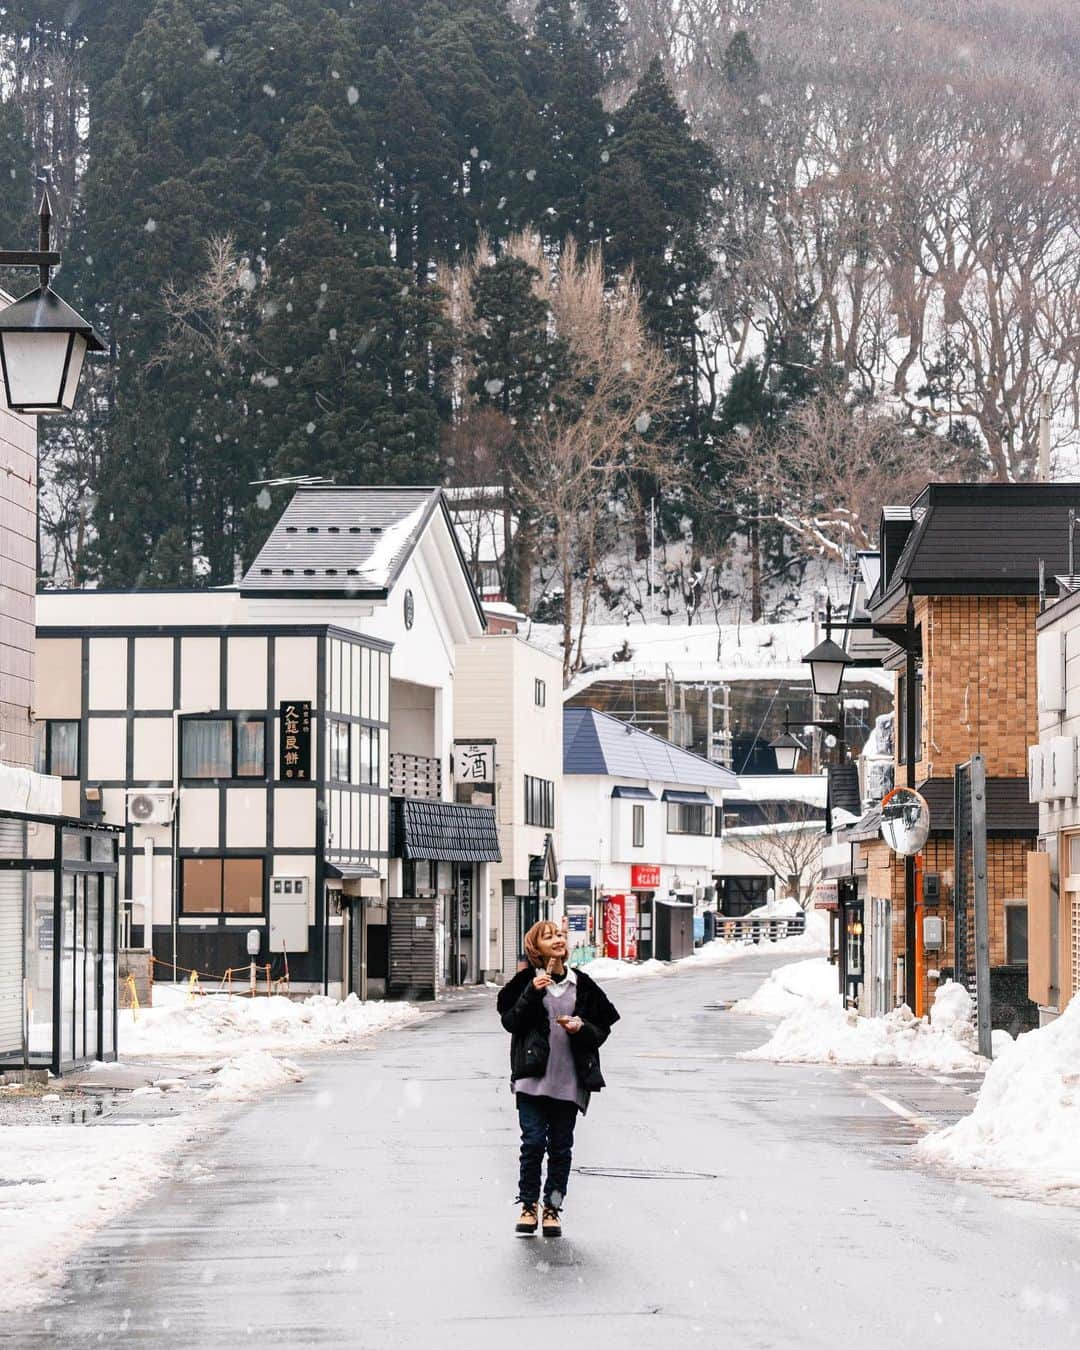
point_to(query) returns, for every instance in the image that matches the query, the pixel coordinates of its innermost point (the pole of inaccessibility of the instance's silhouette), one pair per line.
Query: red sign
(644, 877)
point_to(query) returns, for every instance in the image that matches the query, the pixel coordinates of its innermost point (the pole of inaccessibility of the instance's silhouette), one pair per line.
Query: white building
(279, 753)
(508, 728)
(642, 827)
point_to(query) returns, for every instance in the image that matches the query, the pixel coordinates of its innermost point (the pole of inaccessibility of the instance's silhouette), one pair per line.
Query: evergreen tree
(650, 205)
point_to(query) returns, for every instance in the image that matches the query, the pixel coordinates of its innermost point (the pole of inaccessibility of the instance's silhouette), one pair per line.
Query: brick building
(968, 558)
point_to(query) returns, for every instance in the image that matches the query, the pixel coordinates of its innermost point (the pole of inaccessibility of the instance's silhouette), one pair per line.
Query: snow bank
(60, 1183)
(252, 1072)
(832, 1035)
(229, 1024)
(786, 907)
(1027, 1120)
(606, 968)
(813, 983)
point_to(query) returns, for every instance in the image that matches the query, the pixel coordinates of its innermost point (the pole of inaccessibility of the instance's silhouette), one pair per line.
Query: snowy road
(765, 1206)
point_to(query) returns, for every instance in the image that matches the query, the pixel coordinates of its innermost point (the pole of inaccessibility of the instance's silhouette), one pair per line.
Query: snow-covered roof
(594, 743)
(696, 652)
(808, 788)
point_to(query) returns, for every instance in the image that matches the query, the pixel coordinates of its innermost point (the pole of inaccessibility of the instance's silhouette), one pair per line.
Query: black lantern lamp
(787, 751)
(43, 342)
(827, 663)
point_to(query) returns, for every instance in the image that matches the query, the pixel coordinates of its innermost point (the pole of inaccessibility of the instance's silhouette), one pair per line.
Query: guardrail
(759, 927)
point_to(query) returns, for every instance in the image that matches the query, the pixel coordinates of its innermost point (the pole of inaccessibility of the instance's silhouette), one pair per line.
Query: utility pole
(1044, 436)
(652, 543)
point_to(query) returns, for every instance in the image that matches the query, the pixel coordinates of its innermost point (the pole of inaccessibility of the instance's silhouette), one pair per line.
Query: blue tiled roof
(595, 743)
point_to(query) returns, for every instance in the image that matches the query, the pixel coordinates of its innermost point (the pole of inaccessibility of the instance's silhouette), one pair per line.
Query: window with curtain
(339, 736)
(223, 747)
(206, 747)
(689, 818)
(56, 748)
(251, 748)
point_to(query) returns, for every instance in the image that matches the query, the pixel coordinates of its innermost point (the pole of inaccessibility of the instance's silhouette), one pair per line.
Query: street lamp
(827, 663)
(787, 751)
(43, 342)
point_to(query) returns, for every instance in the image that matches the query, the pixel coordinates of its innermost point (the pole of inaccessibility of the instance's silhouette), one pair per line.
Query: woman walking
(558, 1019)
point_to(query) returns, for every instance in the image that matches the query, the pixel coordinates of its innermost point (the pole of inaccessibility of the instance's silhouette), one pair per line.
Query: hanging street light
(43, 342)
(787, 751)
(827, 663)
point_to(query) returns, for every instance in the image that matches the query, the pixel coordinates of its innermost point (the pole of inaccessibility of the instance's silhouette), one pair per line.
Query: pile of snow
(1027, 1119)
(832, 1035)
(61, 1183)
(252, 1072)
(786, 907)
(788, 989)
(606, 968)
(230, 1024)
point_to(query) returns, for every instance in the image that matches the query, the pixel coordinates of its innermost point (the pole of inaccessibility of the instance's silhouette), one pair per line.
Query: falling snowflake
(494, 387)
(269, 91)
(150, 226)
(352, 94)
(474, 152)
(262, 501)
(642, 423)
(530, 174)
(604, 156)
(310, 428)
(211, 55)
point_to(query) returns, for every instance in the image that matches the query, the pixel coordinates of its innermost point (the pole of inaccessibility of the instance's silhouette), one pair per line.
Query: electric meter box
(933, 932)
(288, 914)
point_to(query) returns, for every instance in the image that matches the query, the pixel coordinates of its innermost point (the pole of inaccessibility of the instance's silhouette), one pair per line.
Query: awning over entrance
(443, 831)
(348, 871)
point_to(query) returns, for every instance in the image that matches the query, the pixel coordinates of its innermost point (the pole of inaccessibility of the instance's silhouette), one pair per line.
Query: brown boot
(552, 1226)
(526, 1224)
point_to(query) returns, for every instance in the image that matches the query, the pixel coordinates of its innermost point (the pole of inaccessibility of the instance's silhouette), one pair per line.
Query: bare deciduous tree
(788, 842)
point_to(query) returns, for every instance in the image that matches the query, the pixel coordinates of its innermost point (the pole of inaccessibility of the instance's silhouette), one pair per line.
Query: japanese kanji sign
(474, 761)
(294, 753)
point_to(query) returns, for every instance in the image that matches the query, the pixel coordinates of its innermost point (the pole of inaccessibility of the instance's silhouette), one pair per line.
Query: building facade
(642, 832)
(968, 558)
(508, 753)
(278, 754)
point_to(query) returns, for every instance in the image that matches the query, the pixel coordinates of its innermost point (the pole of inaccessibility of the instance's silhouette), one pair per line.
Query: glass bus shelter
(59, 926)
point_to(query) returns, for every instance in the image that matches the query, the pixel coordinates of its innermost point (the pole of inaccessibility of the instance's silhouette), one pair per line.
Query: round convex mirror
(905, 821)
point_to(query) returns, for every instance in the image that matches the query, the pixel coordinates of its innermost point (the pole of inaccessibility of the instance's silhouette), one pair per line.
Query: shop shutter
(509, 935)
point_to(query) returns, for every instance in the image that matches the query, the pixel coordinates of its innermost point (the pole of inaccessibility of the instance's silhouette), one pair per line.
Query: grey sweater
(560, 1077)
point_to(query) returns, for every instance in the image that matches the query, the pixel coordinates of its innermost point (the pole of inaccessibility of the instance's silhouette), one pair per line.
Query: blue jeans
(547, 1125)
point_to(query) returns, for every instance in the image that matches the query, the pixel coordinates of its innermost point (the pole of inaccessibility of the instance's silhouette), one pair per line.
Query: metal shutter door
(509, 935)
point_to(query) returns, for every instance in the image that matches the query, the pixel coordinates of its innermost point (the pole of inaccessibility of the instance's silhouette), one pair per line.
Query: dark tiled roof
(444, 831)
(342, 540)
(985, 537)
(595, 743)
(1008, 810)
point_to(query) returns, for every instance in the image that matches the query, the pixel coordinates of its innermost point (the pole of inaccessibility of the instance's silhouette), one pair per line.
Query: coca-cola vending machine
(620, 927)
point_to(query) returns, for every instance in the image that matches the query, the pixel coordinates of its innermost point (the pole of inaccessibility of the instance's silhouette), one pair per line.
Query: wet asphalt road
(715, 1202)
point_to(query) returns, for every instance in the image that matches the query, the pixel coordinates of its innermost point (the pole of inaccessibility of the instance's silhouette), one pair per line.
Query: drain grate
(724, 1006)
(646, 1173)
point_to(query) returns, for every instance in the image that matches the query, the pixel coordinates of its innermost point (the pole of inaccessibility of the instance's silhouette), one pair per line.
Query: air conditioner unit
(1062, 784)
(1036, 772)
(149, 806)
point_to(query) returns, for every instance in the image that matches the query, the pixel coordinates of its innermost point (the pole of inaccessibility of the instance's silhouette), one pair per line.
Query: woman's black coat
(524, 1016)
